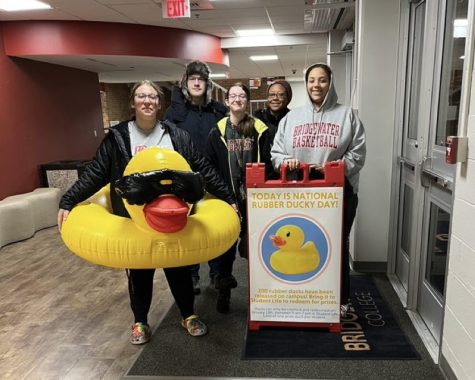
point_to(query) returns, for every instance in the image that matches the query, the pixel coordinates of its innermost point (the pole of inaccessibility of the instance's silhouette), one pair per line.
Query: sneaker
(344, 308)
(141, 333)
(222, 303)
(196, 285)
(225, 282)
(194, 326)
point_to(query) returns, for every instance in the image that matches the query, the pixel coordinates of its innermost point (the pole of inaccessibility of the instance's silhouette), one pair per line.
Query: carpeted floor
(171, 352)
(369, 331)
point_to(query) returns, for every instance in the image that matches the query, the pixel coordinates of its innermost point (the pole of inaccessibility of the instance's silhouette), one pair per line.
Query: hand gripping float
(162, 232)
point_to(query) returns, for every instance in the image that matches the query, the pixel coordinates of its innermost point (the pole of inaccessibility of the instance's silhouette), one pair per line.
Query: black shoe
(196, 285)
(222, 304)
(225, 282)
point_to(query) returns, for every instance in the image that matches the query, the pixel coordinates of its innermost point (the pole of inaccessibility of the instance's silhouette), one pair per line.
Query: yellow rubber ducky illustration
(293, 256)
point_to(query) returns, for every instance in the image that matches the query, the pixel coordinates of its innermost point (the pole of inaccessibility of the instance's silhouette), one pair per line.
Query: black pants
(226, 260)
(213, 269)
(349, 212)
(350, 203)
(141, 290)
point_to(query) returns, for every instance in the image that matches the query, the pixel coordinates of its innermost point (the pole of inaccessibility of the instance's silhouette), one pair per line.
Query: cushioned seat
(45, 203)
(16, 221)
(23, 214)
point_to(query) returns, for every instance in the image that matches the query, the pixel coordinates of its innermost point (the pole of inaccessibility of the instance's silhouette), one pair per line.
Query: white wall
(458, 336)
(337, 60)
(376, 38)
(299, 94)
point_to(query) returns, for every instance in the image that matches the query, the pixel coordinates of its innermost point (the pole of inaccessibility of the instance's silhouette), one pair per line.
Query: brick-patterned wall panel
(257, 93)
(115, 102)
(167, 96)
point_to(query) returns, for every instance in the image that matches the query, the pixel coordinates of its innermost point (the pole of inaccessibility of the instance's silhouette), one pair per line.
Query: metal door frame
(429, 105)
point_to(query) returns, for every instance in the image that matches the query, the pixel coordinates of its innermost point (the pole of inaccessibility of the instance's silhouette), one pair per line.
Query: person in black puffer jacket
(193, 110)
(118, 147)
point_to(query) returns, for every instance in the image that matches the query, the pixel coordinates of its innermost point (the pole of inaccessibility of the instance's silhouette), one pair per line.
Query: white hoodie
(331, 133)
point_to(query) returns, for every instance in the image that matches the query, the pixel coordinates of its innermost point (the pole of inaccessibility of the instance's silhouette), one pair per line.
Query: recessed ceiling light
(217, 75)
(22, 5)
(263, 57)
(254, 32)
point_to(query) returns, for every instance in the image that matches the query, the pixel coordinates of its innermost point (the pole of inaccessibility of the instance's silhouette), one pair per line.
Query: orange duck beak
(166, 214)
(277, 241)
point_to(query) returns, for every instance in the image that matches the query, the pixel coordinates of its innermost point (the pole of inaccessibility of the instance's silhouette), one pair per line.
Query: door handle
(408, 164)
(429, 176)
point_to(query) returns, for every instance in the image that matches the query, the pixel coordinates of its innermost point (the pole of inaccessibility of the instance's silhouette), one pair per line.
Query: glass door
(435, 41)
(437, 176)
(411, 145)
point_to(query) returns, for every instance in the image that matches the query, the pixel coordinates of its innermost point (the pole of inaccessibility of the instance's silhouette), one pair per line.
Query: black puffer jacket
(196, 120)
(270, 120)
(113, 155)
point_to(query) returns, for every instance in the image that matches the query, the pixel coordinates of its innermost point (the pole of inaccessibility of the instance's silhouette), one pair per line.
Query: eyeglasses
(196, 78)
(151, 97)
(280, 95)
(236, 96)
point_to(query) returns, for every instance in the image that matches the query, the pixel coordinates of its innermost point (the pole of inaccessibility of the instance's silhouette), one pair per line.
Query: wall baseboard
(369, 266)
(446, 369)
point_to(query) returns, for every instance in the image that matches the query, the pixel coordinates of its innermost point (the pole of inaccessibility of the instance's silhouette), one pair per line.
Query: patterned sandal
(141, 333)
(194, 326)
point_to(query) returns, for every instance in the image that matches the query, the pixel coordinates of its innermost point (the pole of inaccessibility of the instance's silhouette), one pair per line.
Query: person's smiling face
(318, 85)
(277, 98)
(146, 102)
(237, 99)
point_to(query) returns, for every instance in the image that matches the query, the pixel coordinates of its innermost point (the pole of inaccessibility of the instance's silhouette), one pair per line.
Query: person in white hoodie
(320, 131)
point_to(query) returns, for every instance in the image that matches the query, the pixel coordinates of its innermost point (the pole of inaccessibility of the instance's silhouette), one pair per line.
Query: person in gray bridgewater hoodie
(324, 130)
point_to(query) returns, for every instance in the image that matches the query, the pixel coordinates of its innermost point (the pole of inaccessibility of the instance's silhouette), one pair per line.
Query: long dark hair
(246, 125)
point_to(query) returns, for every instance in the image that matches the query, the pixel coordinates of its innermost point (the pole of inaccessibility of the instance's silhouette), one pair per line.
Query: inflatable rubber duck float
(164, 230)
(293, 256)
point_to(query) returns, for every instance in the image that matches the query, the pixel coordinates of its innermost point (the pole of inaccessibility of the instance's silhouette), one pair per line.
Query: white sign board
(295, 254)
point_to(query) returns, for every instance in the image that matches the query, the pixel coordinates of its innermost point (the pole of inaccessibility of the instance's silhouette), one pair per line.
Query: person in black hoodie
(193, 110)
(279, 95)
(117, 148)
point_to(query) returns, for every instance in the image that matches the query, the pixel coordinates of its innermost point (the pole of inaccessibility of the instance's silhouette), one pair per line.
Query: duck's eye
(287, 234)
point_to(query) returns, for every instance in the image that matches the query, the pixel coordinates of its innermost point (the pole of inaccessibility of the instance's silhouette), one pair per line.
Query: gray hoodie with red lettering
(330, 133)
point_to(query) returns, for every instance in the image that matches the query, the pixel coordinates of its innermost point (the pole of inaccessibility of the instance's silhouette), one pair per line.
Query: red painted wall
(30, 38)
(47, 113)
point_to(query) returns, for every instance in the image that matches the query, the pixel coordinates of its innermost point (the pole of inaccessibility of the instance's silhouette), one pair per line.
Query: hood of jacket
(179, 107)
(259, 126)
(208, 93)
(330, 99)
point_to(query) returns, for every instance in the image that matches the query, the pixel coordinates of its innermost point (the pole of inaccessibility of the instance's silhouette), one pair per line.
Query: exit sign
(175, 8)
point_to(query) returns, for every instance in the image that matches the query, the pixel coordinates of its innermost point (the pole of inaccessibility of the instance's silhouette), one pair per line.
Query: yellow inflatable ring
(100, 237)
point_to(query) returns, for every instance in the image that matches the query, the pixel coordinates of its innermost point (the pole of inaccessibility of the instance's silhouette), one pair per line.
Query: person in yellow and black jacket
(237, 140)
